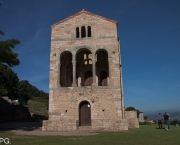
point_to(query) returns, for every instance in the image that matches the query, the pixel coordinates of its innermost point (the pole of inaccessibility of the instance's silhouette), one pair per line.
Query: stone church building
(86, 76)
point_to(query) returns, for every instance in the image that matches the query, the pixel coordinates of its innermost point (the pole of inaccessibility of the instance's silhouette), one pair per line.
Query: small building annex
(86, 76)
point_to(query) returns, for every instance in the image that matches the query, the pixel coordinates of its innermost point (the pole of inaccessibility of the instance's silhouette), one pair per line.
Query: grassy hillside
(38, 106)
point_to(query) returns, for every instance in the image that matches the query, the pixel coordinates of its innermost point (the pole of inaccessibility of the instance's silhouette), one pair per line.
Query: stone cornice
(80, 39)
(87, 87)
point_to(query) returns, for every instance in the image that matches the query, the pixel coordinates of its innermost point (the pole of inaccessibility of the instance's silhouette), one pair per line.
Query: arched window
(103, 78)
(103, 67)
(83, 31)
(88, 78)
(83, 64)
(66, 69)
(77, 32)
(89, 31)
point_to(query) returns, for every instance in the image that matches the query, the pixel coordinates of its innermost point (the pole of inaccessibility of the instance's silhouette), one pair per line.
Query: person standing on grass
(160, 121)
(166, 119)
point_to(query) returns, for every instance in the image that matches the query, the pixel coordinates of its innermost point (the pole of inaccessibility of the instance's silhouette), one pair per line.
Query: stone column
(74, 70)
(86, 31)
(110, 77)
(79, 32)
(94, 69)
(59, 75)
(80, 75)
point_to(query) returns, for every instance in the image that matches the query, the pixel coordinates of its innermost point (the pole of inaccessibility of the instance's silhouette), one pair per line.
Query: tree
(23, 90)
(8, 81)
(7, 56)
(130, 109)
(28, 91)
(174, 122)
(3, 90)
(145, 117)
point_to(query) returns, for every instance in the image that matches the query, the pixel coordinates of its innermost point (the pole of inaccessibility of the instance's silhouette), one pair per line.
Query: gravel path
(32, 128)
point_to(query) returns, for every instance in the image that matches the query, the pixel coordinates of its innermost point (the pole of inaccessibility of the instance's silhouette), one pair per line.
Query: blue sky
(149, 31)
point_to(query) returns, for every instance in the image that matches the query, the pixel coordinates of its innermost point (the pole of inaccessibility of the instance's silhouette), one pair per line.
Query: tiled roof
(85, 12)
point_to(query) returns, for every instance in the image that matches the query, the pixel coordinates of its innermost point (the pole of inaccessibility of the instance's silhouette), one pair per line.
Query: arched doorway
(84, 114)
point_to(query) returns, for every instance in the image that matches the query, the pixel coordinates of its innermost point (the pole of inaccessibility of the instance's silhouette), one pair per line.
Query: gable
(85, 13)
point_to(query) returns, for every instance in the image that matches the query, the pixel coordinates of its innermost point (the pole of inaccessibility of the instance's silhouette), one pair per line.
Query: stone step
(84, 129)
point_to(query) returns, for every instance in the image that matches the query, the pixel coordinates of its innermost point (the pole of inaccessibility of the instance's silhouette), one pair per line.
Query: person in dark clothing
(166, 119)
(160, 121)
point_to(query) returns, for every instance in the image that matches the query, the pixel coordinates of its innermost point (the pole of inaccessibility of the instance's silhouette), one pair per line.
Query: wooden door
(103, 78)
(84, 114)
(88, 78)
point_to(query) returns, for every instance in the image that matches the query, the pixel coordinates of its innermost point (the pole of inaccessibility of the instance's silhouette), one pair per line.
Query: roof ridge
(80, 12)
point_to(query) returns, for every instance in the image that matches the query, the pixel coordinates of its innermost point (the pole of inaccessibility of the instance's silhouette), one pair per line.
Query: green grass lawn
(145, 135)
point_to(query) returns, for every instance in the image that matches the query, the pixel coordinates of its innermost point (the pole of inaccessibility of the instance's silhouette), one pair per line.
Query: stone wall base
(109, 125)
(133, 123)
(97, 125)
(65, 125)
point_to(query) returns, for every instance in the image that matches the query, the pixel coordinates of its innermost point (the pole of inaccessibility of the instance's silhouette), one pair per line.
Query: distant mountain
(161, 111)
(173, 115)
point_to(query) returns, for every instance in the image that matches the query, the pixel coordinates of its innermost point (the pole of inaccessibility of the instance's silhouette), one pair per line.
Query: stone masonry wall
(106, 102)
(104, 36)
(100, 27)
(132, 119)
(100, 98)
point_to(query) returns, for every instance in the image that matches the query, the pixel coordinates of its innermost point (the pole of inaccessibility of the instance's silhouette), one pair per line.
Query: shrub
(154, 121)
(174, 122)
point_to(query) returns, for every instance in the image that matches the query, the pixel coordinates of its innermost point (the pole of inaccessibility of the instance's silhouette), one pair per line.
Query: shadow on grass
(4, 130)
(25, 126)
(159, 128)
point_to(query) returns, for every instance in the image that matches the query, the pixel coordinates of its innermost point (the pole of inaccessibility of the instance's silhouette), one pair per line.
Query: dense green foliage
(7, 56)
(145, 135)
(8, 81)
(174, 122)
(27, 91)
(130, 109)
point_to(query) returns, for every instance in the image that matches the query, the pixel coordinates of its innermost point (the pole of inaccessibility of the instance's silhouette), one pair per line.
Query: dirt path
(43, 133)
(32, 128)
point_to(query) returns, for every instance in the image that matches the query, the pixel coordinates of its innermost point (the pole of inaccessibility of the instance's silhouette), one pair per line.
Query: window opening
(77, 32)
(83, 31)
(103, 78)
(88, 78)
(89, 31)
